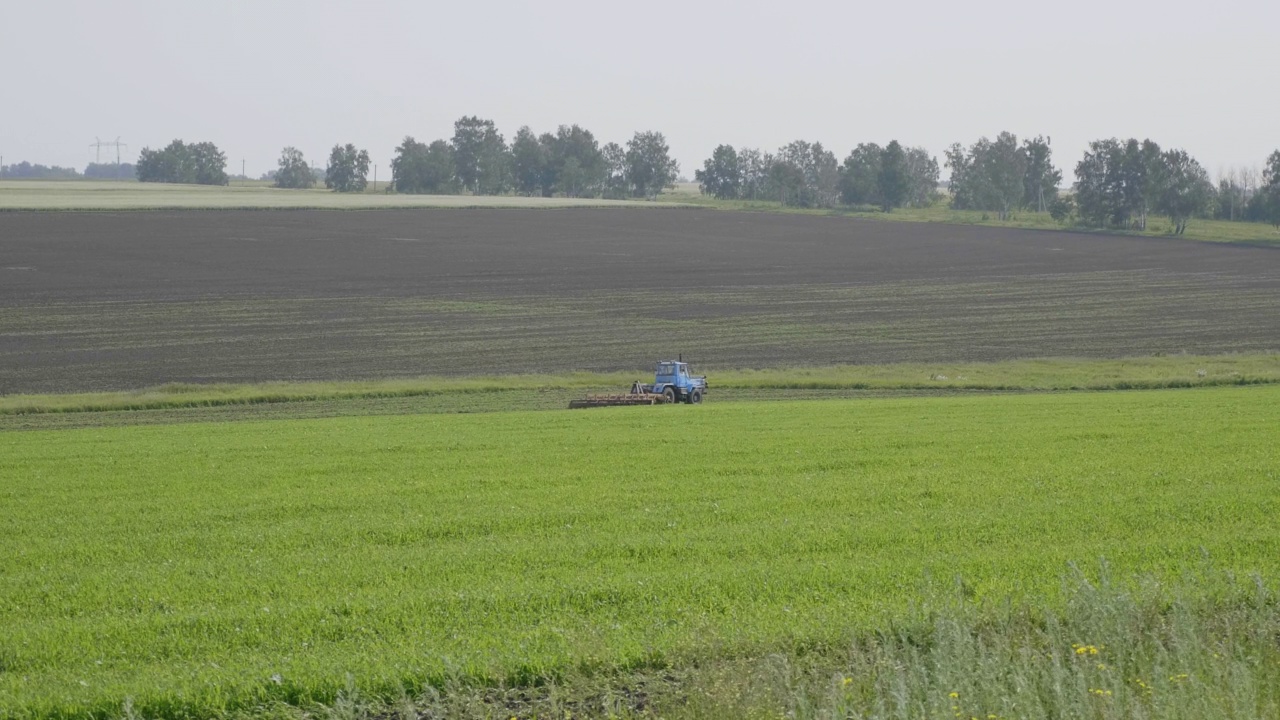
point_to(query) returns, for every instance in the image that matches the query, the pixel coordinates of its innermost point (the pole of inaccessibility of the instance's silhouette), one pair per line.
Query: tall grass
(1200, 647)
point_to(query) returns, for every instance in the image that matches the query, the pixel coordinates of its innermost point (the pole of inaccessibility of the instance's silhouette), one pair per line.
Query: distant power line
(98, 144)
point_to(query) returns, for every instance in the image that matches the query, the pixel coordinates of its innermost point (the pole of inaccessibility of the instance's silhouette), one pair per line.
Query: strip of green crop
(91, 196)
(194, 569)
(1173, 371)
(1200, 229)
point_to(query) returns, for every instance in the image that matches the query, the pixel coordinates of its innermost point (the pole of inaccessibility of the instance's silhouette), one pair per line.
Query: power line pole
(97, 144)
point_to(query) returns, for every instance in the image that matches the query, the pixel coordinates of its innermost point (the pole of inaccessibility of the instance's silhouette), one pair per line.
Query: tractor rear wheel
(695, 397)
(669, 394)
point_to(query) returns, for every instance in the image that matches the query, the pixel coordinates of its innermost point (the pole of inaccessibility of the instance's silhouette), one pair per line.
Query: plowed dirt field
(100, 301)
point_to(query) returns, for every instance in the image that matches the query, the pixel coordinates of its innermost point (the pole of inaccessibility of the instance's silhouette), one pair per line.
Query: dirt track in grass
(98, 301)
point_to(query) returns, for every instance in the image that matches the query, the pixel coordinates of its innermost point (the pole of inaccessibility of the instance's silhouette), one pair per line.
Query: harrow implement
(638, 395)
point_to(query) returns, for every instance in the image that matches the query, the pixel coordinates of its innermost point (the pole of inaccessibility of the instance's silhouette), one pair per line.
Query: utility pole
(375, 177)
(242, 169)
(97, 144)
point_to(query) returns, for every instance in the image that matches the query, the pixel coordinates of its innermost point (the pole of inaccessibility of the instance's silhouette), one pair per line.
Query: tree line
(93, 171)
(347, 171)
(478, 160)
(27, 171)
(569, 162)
(804, 174)
(179, 162)
(1118, 182)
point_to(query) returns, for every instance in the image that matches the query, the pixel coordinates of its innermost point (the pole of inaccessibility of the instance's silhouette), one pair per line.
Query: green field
(191, 569)
(89, 195)
(540, 392)
(1157, 226)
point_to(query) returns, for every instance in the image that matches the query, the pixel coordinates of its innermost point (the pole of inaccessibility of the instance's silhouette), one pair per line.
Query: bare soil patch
(102, 301)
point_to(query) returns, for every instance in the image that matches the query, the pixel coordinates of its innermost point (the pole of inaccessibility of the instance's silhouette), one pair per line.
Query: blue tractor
(673, 381)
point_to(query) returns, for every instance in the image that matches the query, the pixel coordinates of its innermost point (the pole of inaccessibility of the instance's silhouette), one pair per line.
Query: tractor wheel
(695, 397)
(669, 394)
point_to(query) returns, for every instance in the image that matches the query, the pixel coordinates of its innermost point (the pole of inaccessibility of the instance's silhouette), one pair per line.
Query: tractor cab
(672, 379)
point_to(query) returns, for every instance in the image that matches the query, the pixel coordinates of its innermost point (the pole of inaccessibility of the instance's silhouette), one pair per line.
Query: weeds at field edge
(1201, 646)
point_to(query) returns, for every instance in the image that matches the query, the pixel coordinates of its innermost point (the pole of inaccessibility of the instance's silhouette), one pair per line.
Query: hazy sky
(255, 75)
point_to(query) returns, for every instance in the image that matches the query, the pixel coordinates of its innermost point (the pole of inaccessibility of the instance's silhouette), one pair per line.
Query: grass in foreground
(1113, 650)
(1170, 371)
(197, 569)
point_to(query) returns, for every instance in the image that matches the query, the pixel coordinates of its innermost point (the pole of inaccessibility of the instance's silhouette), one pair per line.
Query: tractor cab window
(684, 370)
(666, 369)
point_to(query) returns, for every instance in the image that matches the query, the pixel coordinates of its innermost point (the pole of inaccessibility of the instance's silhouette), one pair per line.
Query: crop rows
(103, 302)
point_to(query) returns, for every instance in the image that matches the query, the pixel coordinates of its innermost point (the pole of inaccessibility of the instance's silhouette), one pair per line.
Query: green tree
(1040, 184)
(820, 170)
(1235, 187)
(1099, 184)
(962, 181)
(990, 175)
(999, 168)
(528, 162)
(721, 175)
(860, 175)
(893, 181)
(293, 170)
(198, 164)
(922, 173)
(419, 168)
(480, 156)
(1141, 180)
(785, 181)
(1185, 189)
(650, 167)
(106, 171)
(209, 164)
(1120, 182)
(1269, 205)
(753, 167)
(616, 186)
(348, 169)
(577, 165)
(27, 171)
(1062, 208)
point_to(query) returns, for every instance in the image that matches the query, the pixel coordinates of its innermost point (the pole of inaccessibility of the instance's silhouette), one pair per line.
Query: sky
(254, 76)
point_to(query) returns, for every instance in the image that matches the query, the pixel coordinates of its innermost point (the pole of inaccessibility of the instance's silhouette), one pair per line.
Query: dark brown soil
(115, 301)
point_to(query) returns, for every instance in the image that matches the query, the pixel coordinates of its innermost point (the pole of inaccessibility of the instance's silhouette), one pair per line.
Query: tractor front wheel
(669, 394)
(695, 397)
